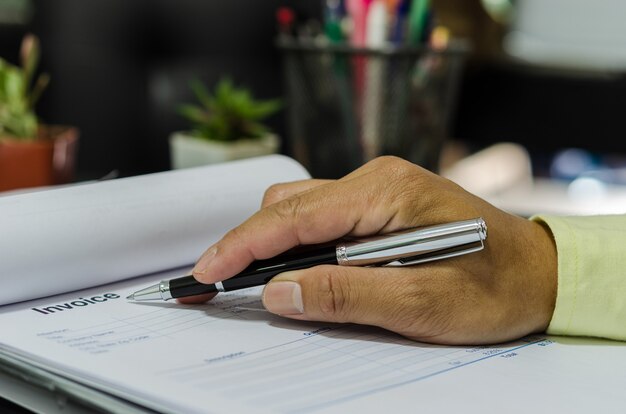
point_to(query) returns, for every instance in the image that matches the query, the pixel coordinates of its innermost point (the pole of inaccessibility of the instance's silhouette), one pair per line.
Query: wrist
(546, 269)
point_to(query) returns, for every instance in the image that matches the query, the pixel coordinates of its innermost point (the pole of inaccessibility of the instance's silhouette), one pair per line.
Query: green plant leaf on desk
(193, 113)
(201, 93)
(17, 99)
(29, 57)
(229, 114)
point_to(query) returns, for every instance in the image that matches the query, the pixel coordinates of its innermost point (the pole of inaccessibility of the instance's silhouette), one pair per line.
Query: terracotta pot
(49, 160)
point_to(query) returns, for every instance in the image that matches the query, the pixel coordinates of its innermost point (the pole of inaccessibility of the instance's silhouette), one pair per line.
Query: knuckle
(404, 171)
(333, 295)
(291, 212)
(289, 208)
(234, 235)
(274, 193)
(387, 160)
(401, 175)
(407, 190)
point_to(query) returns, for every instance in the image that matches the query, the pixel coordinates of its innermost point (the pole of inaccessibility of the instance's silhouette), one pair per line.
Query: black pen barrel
(188, 286)
(262, 271)
(258, 273)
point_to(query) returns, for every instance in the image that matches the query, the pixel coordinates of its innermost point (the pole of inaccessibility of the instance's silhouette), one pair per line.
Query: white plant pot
(188, 151)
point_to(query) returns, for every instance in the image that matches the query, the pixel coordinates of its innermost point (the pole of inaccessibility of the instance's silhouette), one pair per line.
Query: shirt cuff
(591, 297)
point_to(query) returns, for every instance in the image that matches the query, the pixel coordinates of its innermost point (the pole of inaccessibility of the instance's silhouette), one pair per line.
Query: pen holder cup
(346, 106)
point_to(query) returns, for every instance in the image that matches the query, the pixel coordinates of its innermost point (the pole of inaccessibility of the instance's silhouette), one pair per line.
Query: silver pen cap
(415, 246)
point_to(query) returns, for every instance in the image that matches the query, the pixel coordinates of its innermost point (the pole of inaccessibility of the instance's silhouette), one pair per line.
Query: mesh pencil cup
(348, 105)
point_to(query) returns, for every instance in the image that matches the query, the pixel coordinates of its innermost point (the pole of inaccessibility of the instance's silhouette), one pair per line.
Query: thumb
(336, 294)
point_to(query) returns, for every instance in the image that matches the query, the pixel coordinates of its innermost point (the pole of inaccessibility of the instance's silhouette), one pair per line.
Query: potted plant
(226, 125)
(31, 154)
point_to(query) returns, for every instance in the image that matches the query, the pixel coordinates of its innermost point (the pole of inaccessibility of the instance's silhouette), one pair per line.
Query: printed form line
(413, 380)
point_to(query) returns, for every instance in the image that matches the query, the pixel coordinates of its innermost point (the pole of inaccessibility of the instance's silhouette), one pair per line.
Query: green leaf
(229, 114)
(21, 127)
(193, 113)
(14, 86)
(17, 100)
(42, 83)
(201, 93)
(30, 58)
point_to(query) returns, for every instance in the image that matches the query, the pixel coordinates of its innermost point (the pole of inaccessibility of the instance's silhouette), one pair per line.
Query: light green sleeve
(591, 297)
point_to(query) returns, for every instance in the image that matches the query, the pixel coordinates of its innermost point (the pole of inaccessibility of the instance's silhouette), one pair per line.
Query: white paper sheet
(71, 238)
(220, 357)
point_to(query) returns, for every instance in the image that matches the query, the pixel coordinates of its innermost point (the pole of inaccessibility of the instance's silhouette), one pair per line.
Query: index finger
(358, 204)
(279, 192)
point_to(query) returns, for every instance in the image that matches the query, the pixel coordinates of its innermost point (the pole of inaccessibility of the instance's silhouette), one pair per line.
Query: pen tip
(130, 297)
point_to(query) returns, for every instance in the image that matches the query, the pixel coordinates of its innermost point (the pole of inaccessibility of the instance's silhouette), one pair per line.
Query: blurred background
(544, 75)
(119, 69)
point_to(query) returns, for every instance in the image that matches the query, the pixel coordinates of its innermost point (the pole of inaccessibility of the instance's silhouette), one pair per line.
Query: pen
(399, 26)
(418, 17)
(333, 14)
(358, 10)
(374, 75)
(285, 17)
(397, 249)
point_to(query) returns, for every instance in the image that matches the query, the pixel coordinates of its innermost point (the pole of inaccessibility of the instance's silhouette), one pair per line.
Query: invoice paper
(229, 355)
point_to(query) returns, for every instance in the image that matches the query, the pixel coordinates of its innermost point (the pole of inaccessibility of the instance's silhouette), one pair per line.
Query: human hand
(504, 292)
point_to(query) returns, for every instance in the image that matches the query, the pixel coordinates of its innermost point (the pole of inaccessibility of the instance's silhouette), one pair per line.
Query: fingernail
(283, 298)
(201, 267)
